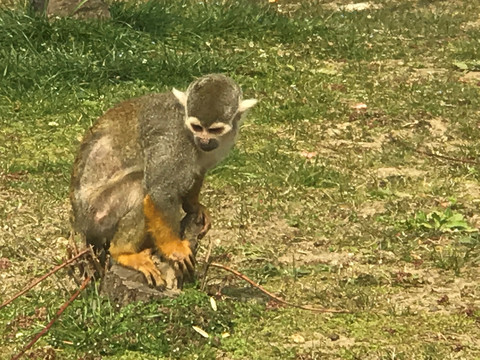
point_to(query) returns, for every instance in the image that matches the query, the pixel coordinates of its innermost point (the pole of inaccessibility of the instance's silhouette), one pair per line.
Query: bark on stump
(77, 9)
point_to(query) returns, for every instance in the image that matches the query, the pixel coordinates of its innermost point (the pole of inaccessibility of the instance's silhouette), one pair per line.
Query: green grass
(320, 203)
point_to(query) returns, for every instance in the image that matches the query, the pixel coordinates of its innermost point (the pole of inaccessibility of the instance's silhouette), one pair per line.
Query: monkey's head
(213, 110)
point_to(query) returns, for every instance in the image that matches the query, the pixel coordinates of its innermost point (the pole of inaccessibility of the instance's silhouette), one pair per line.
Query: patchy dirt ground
(355, 184)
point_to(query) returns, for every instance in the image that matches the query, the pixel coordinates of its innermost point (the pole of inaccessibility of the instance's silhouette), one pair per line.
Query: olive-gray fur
(142, 146)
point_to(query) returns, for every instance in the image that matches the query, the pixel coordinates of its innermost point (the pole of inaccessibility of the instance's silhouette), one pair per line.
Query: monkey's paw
(144, 263)
(204, 217)
(179, 252)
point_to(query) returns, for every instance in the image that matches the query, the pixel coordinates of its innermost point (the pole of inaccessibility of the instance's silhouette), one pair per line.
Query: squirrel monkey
(144, 161)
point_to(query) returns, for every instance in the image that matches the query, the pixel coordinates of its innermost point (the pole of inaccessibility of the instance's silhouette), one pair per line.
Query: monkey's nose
(208, 144)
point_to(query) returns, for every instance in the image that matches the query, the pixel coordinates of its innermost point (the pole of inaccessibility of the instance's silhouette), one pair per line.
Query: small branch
(275, 297)
(207, 264)
(71, 241)
(444, 157)
(96, 263)
(57, 315)
(40, 279)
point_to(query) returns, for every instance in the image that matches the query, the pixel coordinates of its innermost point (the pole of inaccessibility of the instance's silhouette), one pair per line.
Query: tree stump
(83, 9)
(123, 285)
(77, 9)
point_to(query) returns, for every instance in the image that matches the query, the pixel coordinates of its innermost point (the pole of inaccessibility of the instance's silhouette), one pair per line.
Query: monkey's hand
(204, 217)
(179, 252)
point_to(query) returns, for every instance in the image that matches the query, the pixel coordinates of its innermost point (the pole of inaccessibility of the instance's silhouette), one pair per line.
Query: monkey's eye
(216, 130)
(197, 128)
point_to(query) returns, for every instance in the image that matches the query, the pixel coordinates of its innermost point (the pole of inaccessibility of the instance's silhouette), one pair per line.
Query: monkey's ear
(246, 104)
(181, 96)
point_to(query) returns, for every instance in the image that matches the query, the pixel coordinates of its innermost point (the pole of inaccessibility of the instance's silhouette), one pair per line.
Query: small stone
(334, 337)
(298, 339)
(444, 300)
(5, 263)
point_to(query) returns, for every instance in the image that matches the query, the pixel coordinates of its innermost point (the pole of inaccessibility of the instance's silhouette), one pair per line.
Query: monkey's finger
(207, 224)
(180, 270)
(152, 275)
(192, 259)
(185, 267)
(158, 278)
(159, 282)
(179, 266)
(147, 276)
(190, 267)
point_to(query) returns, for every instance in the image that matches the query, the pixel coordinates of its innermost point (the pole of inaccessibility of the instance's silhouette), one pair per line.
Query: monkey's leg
(125, 247)
(166, 240)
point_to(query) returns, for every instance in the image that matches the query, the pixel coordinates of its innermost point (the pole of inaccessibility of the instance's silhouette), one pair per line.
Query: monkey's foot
(144, 263)
(179, 252)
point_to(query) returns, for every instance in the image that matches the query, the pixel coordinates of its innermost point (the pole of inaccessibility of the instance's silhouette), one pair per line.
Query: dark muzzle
(207, 144)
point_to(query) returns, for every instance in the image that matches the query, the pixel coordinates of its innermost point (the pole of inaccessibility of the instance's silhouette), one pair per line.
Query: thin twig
(72, 242)
(207, 264)
(444, 157)
(72, 250)
(41, 278)
(95, 262)
(274, 297)
(55, 317)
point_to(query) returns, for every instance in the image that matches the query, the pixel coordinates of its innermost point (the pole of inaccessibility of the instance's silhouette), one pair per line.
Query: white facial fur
(216, 129)
(210, 159)
(207, 160)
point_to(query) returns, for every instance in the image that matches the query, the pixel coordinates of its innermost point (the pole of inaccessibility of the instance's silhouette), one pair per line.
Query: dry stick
(72, 242)
(274, 297)
(40, 279)
(207, 264)
(73, 247)
(444, 157)
(96, 263)
(49, 325)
